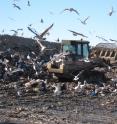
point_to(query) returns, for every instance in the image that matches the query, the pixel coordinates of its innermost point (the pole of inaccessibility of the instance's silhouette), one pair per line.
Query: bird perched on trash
(76, 33)
(84, 21)
(28, 57)
(71, 10)
(57, 90)
(111, 12)
(16, 6)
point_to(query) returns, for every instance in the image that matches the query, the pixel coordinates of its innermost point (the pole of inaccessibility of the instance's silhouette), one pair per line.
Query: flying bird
(16, 6)
(46, 30)
(76, 33)
(40, 36)
(28, 4)
(20, 29)
(30, 25)
(111, 12)
(42, 21)
(113, 40)
(15, 32)
(102, 38)
(71, 10)
(11, 19)
(84, 21)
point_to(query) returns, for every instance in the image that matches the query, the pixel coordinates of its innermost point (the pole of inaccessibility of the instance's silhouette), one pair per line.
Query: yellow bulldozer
(77, 56)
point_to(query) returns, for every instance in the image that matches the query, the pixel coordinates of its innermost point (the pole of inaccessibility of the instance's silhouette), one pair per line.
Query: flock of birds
(18, 7)
(71, 10)
(78, 88)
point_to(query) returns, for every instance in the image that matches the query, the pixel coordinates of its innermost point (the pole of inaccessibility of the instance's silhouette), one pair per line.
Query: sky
(51, 11)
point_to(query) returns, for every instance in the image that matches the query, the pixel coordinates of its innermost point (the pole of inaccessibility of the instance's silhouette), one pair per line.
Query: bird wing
(81, 21)
(14, 31)
(82, 35)
(65, 10)
(45, 31)
(113, 40)
(40, 36)
(73, 31)
(86, 19)
(78, 33)
(101, 38)
(17, 6)
(30, 29)
(74, 10)
(20, 29)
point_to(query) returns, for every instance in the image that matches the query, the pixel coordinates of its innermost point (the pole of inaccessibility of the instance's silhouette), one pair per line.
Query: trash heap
(21, 58)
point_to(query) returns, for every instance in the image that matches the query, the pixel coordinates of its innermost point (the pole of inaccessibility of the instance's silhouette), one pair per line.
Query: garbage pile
(28, 71)
(22, 56)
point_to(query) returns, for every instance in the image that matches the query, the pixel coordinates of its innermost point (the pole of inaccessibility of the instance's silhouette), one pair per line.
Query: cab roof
(75, 42)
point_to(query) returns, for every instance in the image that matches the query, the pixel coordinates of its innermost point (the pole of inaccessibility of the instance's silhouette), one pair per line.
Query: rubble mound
(21, 44)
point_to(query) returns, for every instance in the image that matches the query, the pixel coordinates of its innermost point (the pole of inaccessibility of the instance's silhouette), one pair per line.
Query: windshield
(85, 51)
(69, 48)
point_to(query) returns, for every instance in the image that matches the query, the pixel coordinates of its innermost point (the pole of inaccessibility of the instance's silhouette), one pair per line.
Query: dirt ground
(35, 108)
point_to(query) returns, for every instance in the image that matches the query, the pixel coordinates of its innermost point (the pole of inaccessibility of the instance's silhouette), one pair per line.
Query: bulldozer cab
(77, 48)
(71, 59)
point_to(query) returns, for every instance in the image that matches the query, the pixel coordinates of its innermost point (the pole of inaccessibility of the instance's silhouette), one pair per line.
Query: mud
(35, 108)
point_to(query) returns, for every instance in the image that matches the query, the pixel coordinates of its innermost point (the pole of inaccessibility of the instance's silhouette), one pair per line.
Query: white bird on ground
(28, 57)
(57, 90)
(76, 78)
(34, 66)
(17, 88)
(103, 87)
(82, 86)
(78, 86)
(54, 76)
